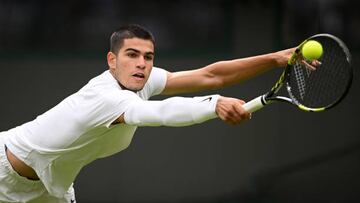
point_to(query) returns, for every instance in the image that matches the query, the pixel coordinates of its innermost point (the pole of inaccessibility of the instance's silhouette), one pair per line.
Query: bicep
(190, 81)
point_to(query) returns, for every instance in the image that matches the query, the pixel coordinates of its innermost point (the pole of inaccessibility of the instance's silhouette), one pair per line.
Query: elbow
(214, 80)
(218, 82)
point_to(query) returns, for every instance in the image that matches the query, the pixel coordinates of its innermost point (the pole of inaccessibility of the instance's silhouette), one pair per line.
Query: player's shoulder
(156, 82)
(157, 72)
(104, 78)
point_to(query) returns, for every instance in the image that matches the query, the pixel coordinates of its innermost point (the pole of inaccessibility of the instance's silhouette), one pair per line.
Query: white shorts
(15, 188)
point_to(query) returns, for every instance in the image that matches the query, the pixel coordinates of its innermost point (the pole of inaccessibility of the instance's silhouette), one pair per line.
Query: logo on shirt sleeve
(207, 99)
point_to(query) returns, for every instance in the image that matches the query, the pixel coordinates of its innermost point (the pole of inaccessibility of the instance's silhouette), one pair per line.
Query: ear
(111, 60)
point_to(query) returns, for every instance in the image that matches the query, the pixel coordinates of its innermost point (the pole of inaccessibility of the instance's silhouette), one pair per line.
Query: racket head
(325, 87)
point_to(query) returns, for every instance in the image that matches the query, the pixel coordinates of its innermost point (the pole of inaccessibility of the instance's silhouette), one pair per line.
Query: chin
(135, 88)
(134, 85)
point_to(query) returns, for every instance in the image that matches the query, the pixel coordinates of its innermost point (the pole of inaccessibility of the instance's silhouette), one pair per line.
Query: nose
(141, 63)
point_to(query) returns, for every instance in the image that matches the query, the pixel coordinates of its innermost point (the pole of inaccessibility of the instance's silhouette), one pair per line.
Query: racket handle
(254, 104)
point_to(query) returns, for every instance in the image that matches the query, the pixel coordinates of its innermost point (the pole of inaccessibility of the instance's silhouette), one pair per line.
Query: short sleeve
(157, 81)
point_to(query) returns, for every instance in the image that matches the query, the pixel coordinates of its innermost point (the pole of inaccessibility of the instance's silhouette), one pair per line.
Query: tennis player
(41, 158)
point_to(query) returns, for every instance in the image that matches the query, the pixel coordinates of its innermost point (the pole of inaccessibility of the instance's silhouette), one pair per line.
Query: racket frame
(269, 97)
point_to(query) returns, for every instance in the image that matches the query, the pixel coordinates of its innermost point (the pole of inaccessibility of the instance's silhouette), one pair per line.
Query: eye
(131, 54)
(149, 57)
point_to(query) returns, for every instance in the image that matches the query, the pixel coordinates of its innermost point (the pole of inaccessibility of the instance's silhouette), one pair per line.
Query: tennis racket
(312, 90)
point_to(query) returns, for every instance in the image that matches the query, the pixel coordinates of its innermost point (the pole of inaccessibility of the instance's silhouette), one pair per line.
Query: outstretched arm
(224, 73)
(181, 111)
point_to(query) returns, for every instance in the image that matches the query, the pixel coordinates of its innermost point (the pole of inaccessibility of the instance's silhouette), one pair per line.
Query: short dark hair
(128, 32)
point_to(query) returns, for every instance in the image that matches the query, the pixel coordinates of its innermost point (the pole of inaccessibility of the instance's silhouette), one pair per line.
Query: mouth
(139, 76)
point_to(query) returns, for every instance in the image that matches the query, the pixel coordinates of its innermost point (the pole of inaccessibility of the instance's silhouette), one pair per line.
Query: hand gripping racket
(309, 90)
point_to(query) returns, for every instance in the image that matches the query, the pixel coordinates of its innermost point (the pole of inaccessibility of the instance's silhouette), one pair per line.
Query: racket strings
(300, 80)
(327, 84)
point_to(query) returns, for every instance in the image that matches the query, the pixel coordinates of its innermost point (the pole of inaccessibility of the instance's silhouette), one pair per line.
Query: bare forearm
(235, 71)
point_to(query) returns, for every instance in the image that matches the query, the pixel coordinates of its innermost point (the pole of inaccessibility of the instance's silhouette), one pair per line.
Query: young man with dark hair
(41, 158)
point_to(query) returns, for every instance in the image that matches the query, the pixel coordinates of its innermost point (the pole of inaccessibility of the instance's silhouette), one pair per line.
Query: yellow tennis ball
(312, 50)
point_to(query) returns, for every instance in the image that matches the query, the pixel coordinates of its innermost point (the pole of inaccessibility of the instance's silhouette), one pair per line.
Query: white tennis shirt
(58, 143)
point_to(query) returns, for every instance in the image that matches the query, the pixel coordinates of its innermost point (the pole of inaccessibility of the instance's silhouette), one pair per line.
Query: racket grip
(254, 104)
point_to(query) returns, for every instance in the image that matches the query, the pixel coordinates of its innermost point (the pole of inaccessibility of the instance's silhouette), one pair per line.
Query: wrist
(281, 58)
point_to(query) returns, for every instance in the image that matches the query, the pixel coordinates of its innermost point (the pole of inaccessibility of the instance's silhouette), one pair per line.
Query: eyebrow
(137, 51)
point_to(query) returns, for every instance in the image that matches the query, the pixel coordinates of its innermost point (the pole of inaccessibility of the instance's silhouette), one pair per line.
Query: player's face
(133, 63)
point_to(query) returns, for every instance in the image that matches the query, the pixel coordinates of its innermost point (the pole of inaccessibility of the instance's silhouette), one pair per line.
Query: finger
(308, 66)
(230, 120)
(315, 63)
(232, 115)
(242, 113)
(242, 102)
(228, 116)
(237, 114)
